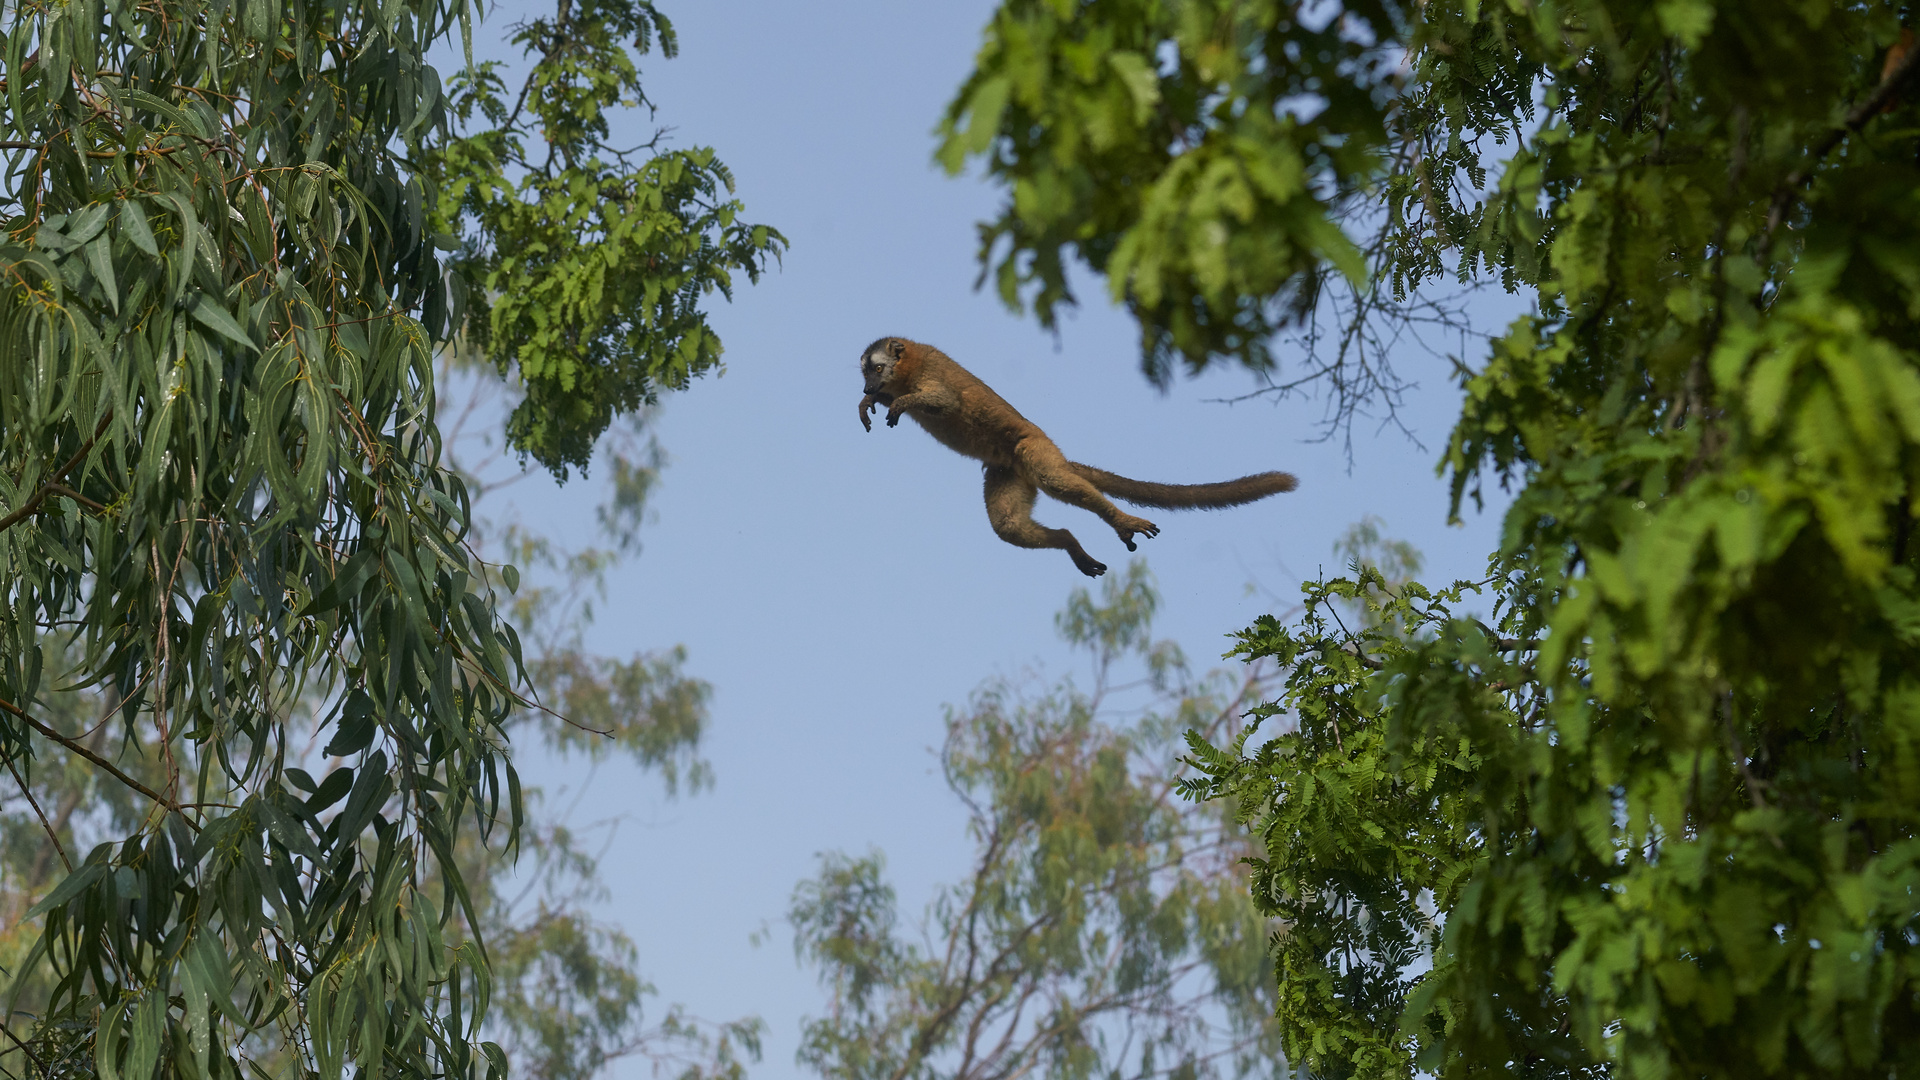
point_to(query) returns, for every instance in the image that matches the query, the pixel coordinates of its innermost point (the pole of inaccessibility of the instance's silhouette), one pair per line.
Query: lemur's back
(977, 422)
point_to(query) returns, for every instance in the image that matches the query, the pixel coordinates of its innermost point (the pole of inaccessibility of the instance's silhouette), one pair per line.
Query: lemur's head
(878, 360)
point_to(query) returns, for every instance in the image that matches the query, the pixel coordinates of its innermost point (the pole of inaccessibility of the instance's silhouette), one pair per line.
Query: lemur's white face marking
(877, 366)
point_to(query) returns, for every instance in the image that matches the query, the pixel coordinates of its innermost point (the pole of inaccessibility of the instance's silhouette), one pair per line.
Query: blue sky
(839, 587)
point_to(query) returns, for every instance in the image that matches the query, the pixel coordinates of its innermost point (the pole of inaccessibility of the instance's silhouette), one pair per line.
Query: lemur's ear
(896, 348)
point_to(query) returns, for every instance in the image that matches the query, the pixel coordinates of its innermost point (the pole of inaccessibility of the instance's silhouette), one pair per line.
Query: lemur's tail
(1188, 496)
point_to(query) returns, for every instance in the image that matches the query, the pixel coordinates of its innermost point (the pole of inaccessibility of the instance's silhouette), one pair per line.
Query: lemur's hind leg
(1041, 462)
(1010, 508)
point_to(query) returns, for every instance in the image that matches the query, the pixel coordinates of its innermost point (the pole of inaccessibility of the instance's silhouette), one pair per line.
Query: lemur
(955, 407)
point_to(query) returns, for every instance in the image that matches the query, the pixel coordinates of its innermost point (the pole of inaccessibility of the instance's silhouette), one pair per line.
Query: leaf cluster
(590, 261)
(226, 521)
(218, 455)
(1369, 829)
(1199, 155)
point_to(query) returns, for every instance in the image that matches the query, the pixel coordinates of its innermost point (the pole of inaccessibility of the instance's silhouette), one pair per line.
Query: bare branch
(44, 823)
(78, 748)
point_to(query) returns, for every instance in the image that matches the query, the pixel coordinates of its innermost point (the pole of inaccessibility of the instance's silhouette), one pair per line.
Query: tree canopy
(234, 237)
(1654, 813)
(1101, 929)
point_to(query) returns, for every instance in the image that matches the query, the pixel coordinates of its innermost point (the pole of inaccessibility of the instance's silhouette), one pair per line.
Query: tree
(568, 994)
(1102, 930)
(1655, 815)
(593, 262)
(229, 537)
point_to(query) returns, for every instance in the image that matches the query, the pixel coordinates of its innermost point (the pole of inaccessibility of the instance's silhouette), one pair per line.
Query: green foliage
(1171, 147)
(1663, 805)
(1103, 930)
(231, 550)
(1368, 829)
(64, 806)
(219, 461)
(592, 261)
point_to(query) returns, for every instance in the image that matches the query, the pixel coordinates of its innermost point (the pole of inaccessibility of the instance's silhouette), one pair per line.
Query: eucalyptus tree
(235, 237)
(1656, 814)
(1101, 928)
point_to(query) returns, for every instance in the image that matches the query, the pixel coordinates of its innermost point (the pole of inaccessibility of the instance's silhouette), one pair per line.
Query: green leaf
(72, 885)
(1142, 82)
(340, 780)
(1688, 20)
(212, 316)
(100, 261)
(355, 732)
(984, 111)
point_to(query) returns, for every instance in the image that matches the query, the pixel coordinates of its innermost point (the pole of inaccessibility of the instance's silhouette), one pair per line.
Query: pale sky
(839, 587)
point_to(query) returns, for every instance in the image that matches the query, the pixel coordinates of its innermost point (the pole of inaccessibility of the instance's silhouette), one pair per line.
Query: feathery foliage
(1658, 815)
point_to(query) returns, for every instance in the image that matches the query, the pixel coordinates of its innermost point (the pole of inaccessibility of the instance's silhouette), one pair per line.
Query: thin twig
(1752, 783)
(1857, 118)
(41, 814)
(33, 503)
(80, 749)
(1353, 648)
(1508, 644)
(1366, 661)
(31, 1056)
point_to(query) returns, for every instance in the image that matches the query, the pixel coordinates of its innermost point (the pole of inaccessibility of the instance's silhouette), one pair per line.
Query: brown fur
(955, 407)
(1896, 55)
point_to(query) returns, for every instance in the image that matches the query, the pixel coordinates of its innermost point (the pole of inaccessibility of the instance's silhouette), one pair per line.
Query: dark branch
(78, 748)
(47, 488)
(44, 823)
(31, 1056)
(1857, 118)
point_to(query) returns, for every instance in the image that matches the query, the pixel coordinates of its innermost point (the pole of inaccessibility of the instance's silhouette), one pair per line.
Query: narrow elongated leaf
(211, 315)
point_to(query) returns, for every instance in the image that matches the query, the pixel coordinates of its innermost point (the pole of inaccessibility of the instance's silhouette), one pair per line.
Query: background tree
(592, 261)
(1103, 930)
(229, 536)
(1660, 802)
(569, 995)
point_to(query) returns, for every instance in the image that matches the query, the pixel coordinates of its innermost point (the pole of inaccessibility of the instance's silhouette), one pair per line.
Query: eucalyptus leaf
(233, 264)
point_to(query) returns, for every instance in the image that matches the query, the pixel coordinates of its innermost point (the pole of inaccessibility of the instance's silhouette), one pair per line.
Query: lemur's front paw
(893, 418)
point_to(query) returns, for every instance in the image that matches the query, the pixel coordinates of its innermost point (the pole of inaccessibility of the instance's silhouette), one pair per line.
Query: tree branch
(79, 748)
(1508, 644)
(1857, 118)
(37, 1063)
(62, 489)
(52, 482)
(42, 815)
